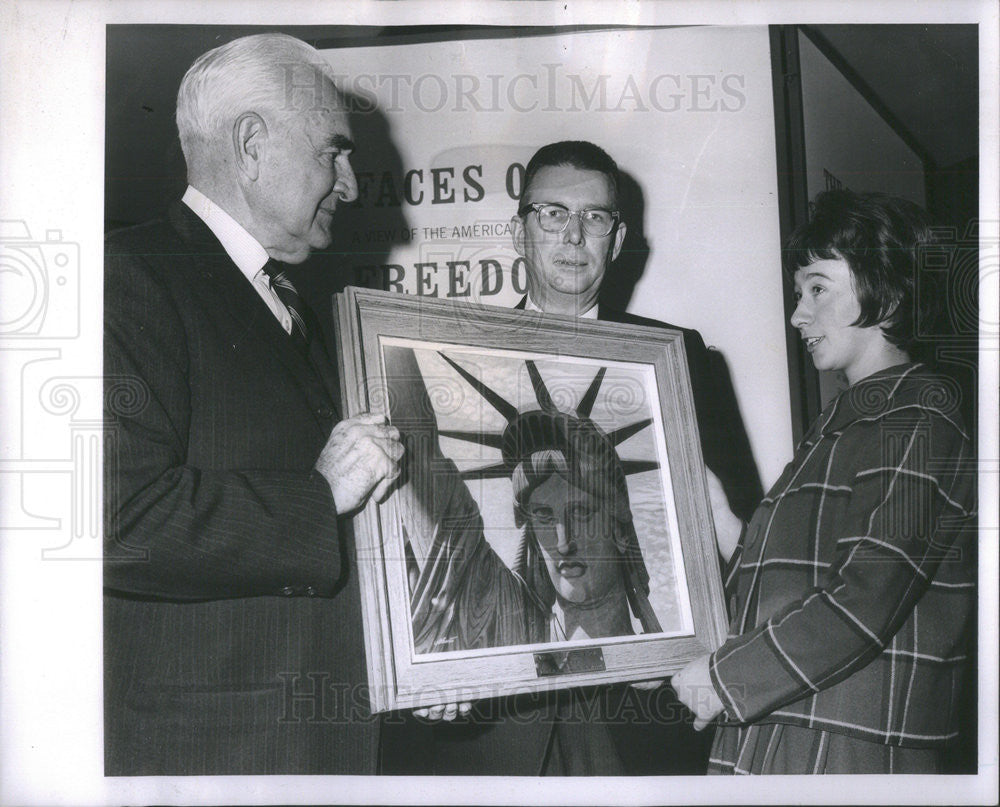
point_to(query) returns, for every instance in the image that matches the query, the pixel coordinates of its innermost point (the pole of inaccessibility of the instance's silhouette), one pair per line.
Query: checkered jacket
(853, 589)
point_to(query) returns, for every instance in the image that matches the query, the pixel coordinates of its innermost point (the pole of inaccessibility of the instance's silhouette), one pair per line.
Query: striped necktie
(290, 297)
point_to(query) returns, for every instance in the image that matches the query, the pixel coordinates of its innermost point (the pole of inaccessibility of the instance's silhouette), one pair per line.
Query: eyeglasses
(553, 218)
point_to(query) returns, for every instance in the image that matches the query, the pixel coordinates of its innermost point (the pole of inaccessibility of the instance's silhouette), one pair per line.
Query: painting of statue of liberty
(536, 499)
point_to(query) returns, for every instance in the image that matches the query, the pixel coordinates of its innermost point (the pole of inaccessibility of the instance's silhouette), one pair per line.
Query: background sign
(445, 129)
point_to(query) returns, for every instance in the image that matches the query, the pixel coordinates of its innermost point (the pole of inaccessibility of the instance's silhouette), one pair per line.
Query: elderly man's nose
(346, 186)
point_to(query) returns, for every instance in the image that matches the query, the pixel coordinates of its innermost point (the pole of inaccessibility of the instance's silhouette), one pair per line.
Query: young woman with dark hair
(852, 590)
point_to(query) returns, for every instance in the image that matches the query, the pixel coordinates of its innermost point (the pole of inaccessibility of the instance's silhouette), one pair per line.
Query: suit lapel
(237, 299)
(325, 366)
(235, 295)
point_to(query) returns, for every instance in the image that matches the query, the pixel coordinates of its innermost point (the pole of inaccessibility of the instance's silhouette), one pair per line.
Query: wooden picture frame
(470, 588)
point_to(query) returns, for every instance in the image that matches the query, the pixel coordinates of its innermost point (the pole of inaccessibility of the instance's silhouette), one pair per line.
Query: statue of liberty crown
(546, 428)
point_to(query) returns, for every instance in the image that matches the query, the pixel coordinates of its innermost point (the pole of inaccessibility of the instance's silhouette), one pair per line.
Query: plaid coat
(853, 589)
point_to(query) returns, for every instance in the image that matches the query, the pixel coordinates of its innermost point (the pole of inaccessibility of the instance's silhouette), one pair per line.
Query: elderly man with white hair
(233, 634)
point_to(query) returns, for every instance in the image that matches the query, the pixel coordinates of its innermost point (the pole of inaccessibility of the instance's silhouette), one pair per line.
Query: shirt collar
(590, 313)
(244, 250)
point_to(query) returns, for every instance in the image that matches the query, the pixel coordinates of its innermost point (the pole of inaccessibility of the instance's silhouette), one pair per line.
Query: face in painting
(565, 269)
(574, 531)
(826, 307)
(305, 171)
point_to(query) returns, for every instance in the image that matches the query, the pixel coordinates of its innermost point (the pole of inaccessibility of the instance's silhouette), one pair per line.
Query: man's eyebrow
(342, 142)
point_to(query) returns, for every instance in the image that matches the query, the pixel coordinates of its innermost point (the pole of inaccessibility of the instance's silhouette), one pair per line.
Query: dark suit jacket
(724, 442)
(649, 731)
(233, 637)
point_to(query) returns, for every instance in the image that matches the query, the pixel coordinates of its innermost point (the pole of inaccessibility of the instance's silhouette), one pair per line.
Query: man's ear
(517, 234)
(616, 247)
(249, 137)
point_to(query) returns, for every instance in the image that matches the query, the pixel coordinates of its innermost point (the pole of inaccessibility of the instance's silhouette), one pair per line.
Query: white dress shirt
(244, 250)
(590, 313)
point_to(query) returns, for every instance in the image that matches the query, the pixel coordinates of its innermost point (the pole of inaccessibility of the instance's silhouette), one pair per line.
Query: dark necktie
(290, 297)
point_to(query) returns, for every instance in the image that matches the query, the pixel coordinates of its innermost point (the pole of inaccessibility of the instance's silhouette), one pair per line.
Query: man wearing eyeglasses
(569, 229)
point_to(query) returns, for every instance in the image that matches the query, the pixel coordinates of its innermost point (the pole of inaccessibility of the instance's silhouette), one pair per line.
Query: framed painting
(551, 526)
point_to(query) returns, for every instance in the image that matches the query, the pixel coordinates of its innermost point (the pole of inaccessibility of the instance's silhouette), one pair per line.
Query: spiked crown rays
(541, 429)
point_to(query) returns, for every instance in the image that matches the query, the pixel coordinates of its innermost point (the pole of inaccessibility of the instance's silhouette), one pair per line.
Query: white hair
(274, 75)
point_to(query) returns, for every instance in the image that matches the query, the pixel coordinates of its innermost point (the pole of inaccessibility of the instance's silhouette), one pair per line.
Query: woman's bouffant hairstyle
(881, 238)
